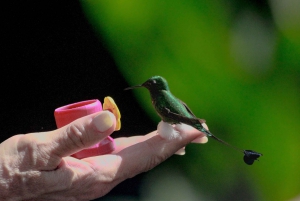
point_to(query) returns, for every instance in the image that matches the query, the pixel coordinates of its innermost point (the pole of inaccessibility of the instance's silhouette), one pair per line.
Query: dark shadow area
(52, 57)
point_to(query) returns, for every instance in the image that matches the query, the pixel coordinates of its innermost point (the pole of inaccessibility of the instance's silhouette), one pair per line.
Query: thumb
(80, 134)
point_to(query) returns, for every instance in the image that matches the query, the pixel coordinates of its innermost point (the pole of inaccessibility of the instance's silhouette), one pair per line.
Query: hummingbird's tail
(223, 142)
(198, 125)
(249, 155)
(203, 130)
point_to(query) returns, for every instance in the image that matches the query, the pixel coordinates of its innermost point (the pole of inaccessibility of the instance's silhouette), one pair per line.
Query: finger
(78, 135)
(124, 142)
(136, 154)
(105, 146)
(205, 125)
(198, 140)
(82, 133)
(202, 140)
(145, 155)
(181, 151)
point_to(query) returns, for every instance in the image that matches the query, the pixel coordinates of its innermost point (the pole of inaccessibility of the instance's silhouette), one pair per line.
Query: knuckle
(32, 148)
(157, 155)
(75, 134)
(154, 160)
(105, 173)
(25, 184)
(27, 148)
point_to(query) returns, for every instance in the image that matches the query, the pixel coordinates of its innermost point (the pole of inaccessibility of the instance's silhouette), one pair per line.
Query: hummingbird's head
(154, 83)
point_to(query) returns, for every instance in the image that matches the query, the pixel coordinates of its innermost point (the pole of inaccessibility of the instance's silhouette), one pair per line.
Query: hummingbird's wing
(190, 111)
(192, 121)
(186, 107)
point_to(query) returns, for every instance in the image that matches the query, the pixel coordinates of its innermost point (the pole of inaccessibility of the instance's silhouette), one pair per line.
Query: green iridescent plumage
(174, 111)
(168, 107)
(162, 98)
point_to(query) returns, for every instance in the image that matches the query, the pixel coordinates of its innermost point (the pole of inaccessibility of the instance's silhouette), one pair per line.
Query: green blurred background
(236, 64)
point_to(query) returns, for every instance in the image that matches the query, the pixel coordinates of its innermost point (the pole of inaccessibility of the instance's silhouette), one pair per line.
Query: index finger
(153, 150)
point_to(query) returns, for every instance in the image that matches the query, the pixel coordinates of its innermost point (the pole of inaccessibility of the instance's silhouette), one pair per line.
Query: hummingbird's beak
(133, 87)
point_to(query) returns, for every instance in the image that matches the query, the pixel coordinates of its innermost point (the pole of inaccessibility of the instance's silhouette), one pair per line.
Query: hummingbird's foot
(167, 131)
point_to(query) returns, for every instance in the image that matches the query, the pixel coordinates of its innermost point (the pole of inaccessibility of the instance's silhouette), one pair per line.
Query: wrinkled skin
(38, 166)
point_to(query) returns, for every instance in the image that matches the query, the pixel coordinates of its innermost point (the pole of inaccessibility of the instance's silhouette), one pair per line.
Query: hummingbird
(174, 111)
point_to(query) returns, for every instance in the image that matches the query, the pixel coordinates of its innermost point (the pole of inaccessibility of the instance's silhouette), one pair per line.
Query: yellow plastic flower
(110, 105)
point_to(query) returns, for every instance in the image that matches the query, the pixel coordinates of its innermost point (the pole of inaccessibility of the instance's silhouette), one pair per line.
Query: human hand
(38, 166)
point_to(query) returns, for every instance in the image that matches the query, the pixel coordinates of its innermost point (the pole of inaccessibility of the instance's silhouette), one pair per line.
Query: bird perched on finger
(174, 111)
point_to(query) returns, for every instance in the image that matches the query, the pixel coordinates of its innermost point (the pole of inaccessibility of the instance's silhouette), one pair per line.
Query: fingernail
(181, 151)
(200, 140)
(103, 121)
(205, 126)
